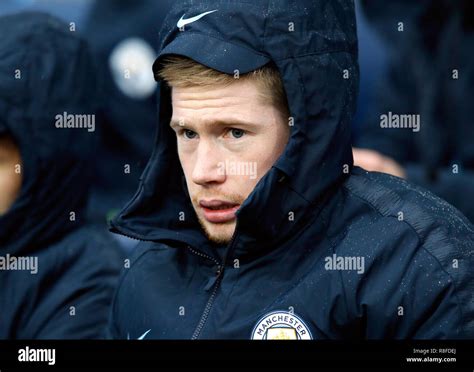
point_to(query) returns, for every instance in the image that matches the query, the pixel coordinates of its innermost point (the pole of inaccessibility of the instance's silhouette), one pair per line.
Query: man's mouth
(218, 211)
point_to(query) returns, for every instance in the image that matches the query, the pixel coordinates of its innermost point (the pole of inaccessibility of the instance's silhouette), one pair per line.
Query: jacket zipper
(210, 302)
(220, 272)
(199, 253)
(207, 309)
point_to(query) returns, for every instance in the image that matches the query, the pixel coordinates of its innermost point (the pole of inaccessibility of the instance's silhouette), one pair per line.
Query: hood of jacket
(45, 71)
(314, 46)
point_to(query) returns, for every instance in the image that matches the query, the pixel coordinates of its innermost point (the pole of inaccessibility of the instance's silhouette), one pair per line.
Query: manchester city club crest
(281, 325)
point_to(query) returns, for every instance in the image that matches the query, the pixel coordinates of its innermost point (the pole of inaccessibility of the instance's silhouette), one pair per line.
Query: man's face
(228, 138)
(10, 174)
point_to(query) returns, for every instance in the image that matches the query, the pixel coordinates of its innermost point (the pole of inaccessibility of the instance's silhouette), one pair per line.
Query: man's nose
(208, 167)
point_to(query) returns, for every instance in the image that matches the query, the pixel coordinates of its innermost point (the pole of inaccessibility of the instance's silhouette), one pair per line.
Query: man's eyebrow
(222, 122)
(176, 123)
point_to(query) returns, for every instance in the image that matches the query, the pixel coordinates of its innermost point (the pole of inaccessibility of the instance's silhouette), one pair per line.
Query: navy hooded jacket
(321, 250)
(45, 70)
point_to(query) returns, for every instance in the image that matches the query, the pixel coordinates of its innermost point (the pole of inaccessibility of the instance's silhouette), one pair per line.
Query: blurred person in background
(57, 274)
(123, 35)
(430, 80)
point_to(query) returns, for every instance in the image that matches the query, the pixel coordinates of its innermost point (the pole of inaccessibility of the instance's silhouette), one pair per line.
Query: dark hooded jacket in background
(45, 70)
(437, 38)
(126, 121)
(312, 205)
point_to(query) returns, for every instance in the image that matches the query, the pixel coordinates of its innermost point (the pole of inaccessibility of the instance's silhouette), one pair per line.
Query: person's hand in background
(374, 161)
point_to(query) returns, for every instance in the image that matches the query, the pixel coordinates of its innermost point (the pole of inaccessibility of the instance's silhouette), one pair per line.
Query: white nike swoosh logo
(183, 22)
(143, 335)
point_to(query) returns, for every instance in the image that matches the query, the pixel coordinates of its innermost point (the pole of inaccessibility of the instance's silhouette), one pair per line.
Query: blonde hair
(182, 72)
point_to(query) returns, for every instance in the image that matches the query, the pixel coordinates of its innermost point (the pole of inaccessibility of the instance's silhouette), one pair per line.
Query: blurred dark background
(416, 58)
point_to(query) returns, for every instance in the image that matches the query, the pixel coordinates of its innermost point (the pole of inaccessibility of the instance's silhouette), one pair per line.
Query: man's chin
(219, 233)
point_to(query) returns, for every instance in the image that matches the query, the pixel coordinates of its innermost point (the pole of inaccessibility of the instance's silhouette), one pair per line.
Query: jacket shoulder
(415, 246)
(432, 219)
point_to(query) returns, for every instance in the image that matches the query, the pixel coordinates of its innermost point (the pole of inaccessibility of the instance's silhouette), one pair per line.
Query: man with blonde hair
(253, 221)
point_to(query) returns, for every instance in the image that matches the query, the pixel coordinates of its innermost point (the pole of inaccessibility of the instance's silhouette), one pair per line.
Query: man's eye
(237, 133)
(189, 134)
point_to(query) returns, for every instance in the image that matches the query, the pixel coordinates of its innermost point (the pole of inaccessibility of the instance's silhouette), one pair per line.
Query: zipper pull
(213, 279)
